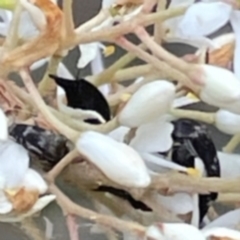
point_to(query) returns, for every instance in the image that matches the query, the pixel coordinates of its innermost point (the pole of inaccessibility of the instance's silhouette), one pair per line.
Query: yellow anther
(193, 172)
(192, 96)
(125, 97)
(109, 50)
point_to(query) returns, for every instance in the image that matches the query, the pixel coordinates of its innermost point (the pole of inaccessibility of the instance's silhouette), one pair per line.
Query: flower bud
(227, 122)
(220, 87)
(151, 101)
(119, 162)
(173, 231)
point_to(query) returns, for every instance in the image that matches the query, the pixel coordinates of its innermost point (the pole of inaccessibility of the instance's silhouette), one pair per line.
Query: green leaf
(8, 4)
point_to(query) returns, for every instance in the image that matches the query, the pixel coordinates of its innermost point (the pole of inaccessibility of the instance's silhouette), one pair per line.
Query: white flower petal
(184, 101)
(49, 228)
(6, 15)
(230, 220)
(221, 87)
(162, 163)
(116, 160)
(41, 203)
(179, 203)
(64, 72)
(5, 205)
(36, 14)
(107, 3)
(105, 89)
(222, 233)
(196, 212)
(202, 19)
(88, 53)
(33, 181)
(97, 65)
(26, 27)
(4, 126)
(119, 133)
(227, 122)
(151, 101)
(14, 162)
(235, 18)
(229, 164)
(174, 231)
(38, 206)
(4, 28)
(155, 136)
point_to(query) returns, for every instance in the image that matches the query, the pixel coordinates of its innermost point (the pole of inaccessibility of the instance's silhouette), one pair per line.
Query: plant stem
(114, 223)
(194, 115)
(68, 18)
(158, 27)
(158, 64)
(52, 175)
(65, 130)
(175, 62)
(95, 21)
(47, 87)
(232, 144)
(12, 36)
(228, 198)
(72, 227)
(115, 99)
(108, 34)
(111, 72)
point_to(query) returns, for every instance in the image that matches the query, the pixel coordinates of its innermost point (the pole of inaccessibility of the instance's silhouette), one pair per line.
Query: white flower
(150, 102)
(41, 203)
(227, 122)
(196, 17)
(228, 220)
(202, 19)
(116, 160)
(220, 87)
(230, 164)
(173, 231)
(16, 178)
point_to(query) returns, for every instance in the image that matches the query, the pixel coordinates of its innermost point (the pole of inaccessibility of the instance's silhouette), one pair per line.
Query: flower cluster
(130, 144)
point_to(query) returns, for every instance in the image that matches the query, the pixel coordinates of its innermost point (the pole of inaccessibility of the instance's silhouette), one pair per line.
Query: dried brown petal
(46, 44)
(221, 57)
(22, 200)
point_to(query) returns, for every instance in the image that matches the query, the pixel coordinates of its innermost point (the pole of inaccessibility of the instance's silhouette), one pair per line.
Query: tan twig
(12, 36)
(72, 208)
(232, 144)
(52, 175)
(158, 27)
(47, 87)
(194, 115)
(68, 18)
(108, 34)
(62, 128)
